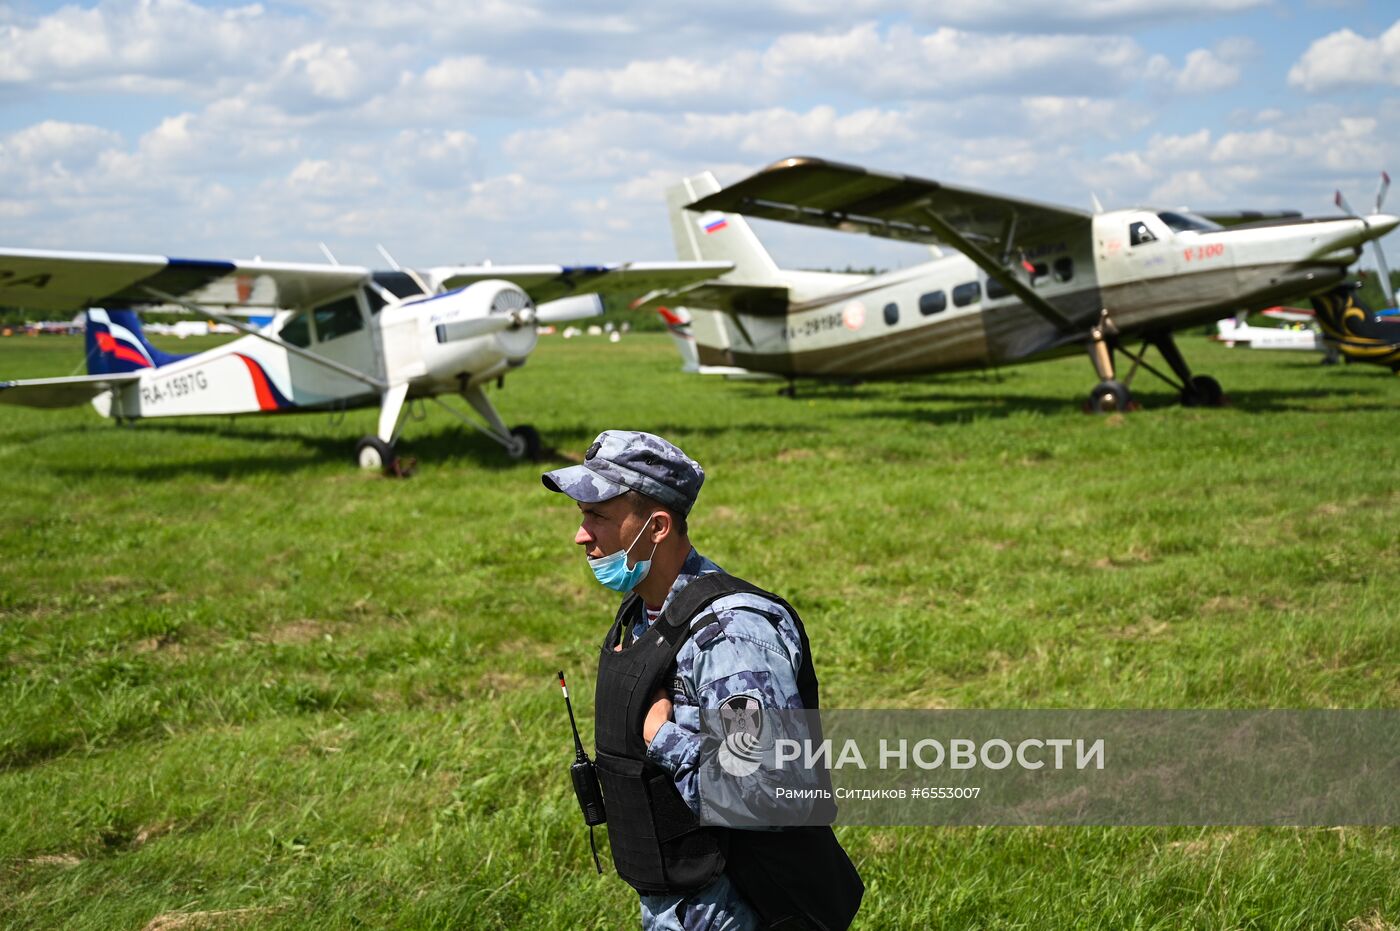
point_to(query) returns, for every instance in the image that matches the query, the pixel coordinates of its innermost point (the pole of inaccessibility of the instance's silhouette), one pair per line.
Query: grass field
(240, 677)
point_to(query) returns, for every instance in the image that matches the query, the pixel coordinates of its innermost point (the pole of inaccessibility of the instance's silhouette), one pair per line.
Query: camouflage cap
(623, 460)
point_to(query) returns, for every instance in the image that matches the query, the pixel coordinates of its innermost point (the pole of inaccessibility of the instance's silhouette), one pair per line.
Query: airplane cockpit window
(297, 331)
(891, 313)
(1064, 268)
(965, 294)
(1181, 221)
(932, 303)
(338, 318)
(399, 284)
(1138, 233)
(996, 289)
(376, 303)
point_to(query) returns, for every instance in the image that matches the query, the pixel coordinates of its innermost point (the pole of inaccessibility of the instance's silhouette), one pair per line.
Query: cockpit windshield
(1181, 221)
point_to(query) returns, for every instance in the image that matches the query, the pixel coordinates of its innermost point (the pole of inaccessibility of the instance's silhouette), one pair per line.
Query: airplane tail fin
(116, 344)
(678, 325)
(714, 236)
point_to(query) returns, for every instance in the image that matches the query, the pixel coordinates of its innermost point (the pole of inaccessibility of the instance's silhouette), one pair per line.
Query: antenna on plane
(1094, 199)
(399, 268)
(325, 250)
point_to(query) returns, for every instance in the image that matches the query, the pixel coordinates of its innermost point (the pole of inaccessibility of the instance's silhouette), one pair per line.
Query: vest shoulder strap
(702, 592)
(707, 589)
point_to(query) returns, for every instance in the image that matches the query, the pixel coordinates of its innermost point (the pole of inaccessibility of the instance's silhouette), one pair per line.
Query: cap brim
(582, 484)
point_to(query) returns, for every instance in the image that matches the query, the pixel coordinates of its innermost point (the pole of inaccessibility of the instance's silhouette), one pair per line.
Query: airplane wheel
(373, 453)
(1109, 396)
(525, 443)
(1203, 391)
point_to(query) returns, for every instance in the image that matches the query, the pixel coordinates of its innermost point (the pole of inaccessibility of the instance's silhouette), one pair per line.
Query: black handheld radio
(585, 779)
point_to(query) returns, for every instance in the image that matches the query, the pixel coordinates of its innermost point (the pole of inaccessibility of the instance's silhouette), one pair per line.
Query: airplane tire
(1109, 396)
(530, 449)
(373, 453)
(1203, 391)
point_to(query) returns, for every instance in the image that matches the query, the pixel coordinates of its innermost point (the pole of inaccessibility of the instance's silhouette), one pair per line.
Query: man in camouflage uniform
(635, 491)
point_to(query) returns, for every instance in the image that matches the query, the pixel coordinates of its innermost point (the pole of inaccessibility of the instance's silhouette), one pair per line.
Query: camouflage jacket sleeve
(749, 653)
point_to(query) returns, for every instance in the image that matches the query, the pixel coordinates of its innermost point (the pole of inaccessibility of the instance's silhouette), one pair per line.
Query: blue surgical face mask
(612, 571)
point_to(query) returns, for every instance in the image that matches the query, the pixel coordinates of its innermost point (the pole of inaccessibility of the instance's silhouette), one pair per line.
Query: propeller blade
(1341, 202)
(1382, 191)
(568, 309)
(1386, 287)
(476, 326)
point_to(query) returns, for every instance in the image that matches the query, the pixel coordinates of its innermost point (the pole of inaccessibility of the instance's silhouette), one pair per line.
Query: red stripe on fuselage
(108, 343)
(266, 401)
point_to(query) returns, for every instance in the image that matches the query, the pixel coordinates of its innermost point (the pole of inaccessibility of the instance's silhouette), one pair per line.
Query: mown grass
(238, 675)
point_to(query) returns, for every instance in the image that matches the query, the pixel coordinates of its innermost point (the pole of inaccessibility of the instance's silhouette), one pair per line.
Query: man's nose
(583, 537)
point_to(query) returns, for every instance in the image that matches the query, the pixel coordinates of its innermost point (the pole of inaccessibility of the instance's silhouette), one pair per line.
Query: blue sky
(540, 131)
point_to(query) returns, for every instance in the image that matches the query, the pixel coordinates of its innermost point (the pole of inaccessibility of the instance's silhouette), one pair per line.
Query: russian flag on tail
(713, 222)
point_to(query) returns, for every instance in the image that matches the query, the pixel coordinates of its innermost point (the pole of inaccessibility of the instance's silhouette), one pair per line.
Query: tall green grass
(237, 675)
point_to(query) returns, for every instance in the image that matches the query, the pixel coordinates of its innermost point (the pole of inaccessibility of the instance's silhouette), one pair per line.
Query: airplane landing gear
(519, 442)
(525, 443)
(1202, 391)
(373, 453)
(1109, 394)
(1112, 394)
(1196, 390)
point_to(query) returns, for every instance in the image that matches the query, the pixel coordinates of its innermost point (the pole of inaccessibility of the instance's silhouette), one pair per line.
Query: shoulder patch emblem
(741, 716)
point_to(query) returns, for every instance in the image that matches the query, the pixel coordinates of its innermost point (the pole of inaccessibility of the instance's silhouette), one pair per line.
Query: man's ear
(662, 526)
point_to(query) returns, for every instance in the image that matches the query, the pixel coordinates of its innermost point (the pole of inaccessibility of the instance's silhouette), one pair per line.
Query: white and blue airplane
(341, 336)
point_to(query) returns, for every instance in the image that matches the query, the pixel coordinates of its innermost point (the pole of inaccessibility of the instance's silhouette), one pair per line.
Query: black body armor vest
(795, 878)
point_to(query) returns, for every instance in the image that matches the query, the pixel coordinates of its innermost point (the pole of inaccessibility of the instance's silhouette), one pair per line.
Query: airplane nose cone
(1382, 223)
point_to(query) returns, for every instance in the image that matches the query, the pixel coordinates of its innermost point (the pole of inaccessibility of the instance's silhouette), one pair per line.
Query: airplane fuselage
(408, 342)
(1150, 271)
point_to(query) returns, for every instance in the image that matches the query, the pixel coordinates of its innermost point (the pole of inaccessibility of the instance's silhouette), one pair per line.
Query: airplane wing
(990, 229)
(60, 392)
(815, 192)
(1241, 217)
(616, 283)
(70, 281)
(753, 300)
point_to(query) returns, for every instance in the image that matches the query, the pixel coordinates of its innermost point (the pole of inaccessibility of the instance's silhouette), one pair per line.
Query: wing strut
(998, 271)
(295, 350)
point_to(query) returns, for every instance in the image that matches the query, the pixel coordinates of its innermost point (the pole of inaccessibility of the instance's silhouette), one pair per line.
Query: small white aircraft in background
(1300, 333)
(1033, 280)
(342, 336)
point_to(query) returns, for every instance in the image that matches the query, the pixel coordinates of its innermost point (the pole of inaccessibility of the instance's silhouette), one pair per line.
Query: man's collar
(695, 565)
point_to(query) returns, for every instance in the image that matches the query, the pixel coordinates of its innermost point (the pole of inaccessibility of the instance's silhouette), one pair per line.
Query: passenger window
(1138, 233)
(996, 289)
(933, 303)
(891, 313)
(337, 319)
(297, 331)
(965, 294)
(1064, 269)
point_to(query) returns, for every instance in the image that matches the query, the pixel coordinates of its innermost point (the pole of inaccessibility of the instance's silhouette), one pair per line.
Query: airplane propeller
(1381, 268)
(564, 310)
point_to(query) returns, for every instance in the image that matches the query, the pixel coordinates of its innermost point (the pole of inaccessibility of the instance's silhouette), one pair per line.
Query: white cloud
(694, 83)
(1089, 13)
(1204, 71)
(899, 63)
(1345, 59)
(144, 46)
(53, 142)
